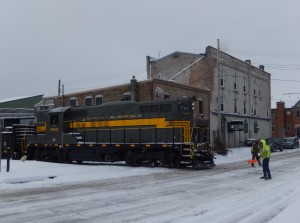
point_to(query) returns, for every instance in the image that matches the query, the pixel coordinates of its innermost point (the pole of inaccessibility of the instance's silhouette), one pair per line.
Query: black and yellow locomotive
(156, 132)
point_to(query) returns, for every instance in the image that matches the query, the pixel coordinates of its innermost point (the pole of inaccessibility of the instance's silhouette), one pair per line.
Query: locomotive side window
(54, 119)
(165, 107)
(79, 114)
(154, 108)
(145, 108)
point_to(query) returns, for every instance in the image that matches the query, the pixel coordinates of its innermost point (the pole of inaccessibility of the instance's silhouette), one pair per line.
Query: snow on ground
(30, 173)
(33, 174)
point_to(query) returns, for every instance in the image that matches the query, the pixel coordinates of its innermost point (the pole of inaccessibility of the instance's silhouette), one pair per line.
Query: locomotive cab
(55, 124)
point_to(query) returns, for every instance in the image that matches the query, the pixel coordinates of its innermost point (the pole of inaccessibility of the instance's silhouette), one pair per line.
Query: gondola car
(153, 132)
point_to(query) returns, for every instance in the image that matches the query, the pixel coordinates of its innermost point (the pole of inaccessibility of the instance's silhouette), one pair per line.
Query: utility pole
(63, 96)
(58, 87)
(219, 94)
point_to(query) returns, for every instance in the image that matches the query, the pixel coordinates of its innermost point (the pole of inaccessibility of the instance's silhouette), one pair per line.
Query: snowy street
(230, 192)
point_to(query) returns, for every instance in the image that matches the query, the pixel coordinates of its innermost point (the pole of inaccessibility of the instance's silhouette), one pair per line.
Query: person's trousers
(266, 169)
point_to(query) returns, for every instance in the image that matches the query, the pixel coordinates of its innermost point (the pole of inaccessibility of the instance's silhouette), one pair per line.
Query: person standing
(254, 151)
(265, 154)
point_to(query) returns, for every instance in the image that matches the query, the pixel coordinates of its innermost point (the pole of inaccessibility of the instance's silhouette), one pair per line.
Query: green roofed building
(21, 102)
(15, 113)
(17, 110)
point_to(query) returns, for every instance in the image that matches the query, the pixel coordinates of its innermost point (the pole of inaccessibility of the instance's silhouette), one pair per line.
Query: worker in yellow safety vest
(265, 154)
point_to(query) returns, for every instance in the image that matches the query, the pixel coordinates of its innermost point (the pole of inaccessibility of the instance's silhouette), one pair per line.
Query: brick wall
(285, 121)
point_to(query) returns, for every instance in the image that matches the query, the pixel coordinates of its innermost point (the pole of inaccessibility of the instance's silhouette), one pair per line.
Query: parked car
(250, 141)
(290, 143)
(275, 144)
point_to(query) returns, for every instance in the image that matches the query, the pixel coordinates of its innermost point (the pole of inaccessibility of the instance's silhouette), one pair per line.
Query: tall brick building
(286, 121)
(240, 100)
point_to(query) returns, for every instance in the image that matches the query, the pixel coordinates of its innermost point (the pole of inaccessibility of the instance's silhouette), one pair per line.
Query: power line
(285, 80)
(264, 53)
(104, 77)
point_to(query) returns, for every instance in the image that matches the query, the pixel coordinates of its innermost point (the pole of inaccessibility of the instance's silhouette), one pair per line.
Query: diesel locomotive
(153, 132)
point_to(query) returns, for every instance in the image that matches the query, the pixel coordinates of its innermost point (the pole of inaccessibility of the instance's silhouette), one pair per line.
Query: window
(268, 109)
(200, 105)
(126, 96)
(235, 106)
(222, 103)
(154, 108)
(298, 114)
(255, 87)
(273, 113)
(166, 96)
(54, 119)
(288, 126)
(245, 126)
(88, 101)
(145, 108)
(244, 87)
(245, 107)
(273, 128)
(165, 107)
(73, 102)
(255, 126)
(99, 99)
(253, 109)
(235, 82)
(222, 78)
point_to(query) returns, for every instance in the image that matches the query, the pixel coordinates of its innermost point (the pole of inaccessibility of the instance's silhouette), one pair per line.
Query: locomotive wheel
(163, 159)
(176, 161)
(129, 158)
(38, 155)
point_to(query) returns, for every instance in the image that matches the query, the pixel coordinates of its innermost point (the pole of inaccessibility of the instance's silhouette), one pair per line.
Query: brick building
(286, 121)
(153, 89)
(240, 100)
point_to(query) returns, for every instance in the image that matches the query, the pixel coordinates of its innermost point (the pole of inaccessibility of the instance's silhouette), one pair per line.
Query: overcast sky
(94, 43)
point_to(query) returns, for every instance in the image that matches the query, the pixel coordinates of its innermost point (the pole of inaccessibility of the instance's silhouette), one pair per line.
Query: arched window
(99, 99)
(166, 95)
(73, 102)
(88, 101)
(126, 96)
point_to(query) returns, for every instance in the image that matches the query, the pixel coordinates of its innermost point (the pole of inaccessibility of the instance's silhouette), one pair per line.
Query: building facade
(286, 121)
(240, 99)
